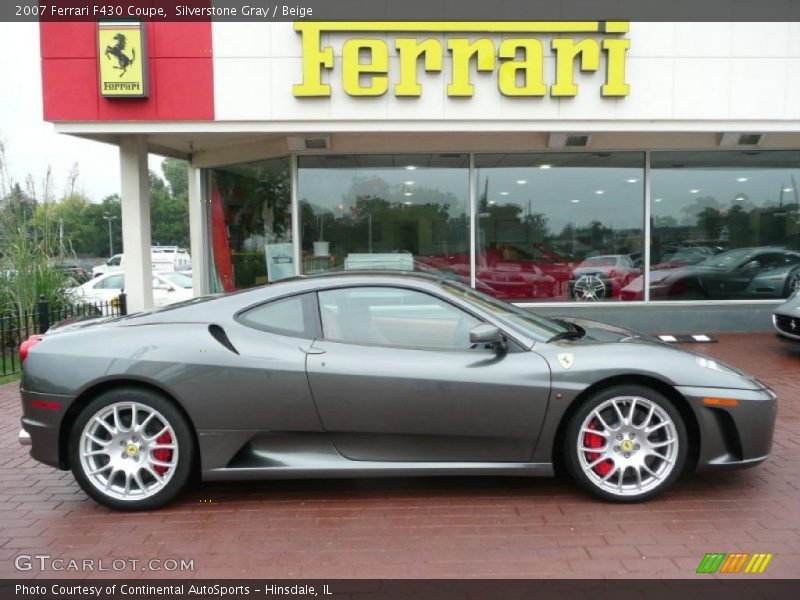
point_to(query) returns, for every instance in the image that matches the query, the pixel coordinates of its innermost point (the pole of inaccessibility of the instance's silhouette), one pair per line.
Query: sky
(31, 143)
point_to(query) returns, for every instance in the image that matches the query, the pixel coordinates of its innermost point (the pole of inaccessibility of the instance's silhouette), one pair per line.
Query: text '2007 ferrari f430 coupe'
(377, 374)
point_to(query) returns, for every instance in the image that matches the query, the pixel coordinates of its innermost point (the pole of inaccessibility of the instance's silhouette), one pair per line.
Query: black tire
(573, 456)
(186, 451)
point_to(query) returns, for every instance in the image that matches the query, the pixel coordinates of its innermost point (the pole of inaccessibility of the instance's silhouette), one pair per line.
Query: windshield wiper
(573, 332)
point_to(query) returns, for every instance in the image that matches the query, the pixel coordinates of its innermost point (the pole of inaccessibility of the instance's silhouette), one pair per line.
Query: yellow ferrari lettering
(567, 50)
(353, 68)
(314, 60)
(531, 68)
(518, 61)
(410, 50)
(463, 50)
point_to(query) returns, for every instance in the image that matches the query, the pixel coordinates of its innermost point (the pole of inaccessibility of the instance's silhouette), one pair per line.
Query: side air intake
(218, 333)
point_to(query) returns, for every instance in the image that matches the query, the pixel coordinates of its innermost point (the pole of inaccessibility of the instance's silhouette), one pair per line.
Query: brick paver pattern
(440, 527)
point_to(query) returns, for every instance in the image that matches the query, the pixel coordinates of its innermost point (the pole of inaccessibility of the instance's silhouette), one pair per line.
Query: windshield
(727, 260)
(601, 261)
(178, 279)
(535, 326)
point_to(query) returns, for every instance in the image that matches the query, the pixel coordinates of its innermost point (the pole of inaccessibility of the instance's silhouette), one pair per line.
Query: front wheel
(792, 284)
(626, 443)
(131, 449)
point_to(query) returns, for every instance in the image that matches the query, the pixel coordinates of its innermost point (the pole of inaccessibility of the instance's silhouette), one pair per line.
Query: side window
(115, 282)
(293, 316)
(394, 317)
(114, 261)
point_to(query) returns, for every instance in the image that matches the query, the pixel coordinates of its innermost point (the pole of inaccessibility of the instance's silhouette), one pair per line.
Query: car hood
(645, 354)
(598, 331)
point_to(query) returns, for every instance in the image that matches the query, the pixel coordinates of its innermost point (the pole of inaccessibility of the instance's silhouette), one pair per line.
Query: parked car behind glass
(168, 287)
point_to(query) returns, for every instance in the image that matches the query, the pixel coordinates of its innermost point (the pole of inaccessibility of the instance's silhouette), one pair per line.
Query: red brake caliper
(592, 440)
(164, 454)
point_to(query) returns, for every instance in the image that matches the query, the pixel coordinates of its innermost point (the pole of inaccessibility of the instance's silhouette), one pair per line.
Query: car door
(394, 379)
(740, 278)
(264, 384)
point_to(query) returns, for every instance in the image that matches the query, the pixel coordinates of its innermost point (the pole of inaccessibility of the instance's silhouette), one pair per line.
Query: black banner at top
(401, 10)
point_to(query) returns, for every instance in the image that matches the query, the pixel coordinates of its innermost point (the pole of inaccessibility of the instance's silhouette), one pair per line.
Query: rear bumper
(737, 436)
(42, 415)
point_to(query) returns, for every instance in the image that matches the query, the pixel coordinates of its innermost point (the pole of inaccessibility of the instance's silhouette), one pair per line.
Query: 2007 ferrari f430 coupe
(377, 374)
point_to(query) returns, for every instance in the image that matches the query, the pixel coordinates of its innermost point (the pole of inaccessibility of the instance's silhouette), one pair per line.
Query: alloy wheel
(589, 288)
(628, 445)
(128, 451)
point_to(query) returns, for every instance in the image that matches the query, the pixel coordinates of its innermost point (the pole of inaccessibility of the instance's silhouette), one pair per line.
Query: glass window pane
(407, 212)
(288, 316)
(394, 317)
(115, 282)
(559, 226)
(725, 225)
(251, 224)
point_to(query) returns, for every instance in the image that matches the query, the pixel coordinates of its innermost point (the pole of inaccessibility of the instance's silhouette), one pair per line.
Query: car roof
(368, 274)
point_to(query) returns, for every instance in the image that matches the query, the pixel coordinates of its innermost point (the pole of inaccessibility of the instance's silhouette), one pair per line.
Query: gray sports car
(359, 374)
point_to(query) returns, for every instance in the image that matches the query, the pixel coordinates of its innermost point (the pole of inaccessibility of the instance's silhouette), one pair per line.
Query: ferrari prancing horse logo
(566, 360)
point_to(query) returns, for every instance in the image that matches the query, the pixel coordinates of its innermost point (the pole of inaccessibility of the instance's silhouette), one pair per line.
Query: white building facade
(586, 166)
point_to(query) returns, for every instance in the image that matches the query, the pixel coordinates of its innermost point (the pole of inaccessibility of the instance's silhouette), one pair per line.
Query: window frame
(512, 343)
(310, 310)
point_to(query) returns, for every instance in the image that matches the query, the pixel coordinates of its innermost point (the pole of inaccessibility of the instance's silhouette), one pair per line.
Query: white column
(136, 222)
(198, 234)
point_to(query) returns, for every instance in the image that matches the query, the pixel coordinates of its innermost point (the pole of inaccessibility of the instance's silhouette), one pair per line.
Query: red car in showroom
(603, 277)
(510, 271)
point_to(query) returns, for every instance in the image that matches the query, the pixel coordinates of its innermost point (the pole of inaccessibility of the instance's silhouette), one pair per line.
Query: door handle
(312, 350)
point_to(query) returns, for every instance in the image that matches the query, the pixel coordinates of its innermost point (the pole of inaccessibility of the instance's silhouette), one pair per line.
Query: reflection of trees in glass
(710, 221)
(596, 238)
(739, 224)
(535, 227)
(377, 216)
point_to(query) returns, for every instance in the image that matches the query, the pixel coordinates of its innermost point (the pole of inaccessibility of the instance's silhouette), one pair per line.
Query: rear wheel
(131, 449)
(626, 443)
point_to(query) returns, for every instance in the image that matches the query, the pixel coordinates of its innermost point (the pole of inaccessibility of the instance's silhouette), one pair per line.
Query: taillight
(26, 346)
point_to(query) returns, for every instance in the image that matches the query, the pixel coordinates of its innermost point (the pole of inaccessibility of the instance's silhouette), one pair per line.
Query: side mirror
(488, 334)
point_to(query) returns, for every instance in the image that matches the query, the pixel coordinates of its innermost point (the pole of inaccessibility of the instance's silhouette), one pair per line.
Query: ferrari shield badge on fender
(566, 360)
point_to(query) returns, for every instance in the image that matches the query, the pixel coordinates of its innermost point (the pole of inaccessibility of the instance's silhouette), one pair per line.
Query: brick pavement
(443, 527)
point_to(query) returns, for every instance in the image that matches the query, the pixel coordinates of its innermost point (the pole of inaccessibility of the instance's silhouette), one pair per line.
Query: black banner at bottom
(374, 589)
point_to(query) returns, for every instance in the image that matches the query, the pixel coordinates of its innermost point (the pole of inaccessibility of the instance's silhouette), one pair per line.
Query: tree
(169, 214)
(176, 172)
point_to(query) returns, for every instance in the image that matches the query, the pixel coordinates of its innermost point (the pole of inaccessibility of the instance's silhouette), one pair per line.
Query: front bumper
(787, 326)
(733, 436)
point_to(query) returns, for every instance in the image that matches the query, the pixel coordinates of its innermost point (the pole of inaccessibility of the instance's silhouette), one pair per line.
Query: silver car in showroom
(377, 374)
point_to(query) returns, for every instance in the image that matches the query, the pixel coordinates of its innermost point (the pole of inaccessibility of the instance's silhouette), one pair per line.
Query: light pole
(110, 218)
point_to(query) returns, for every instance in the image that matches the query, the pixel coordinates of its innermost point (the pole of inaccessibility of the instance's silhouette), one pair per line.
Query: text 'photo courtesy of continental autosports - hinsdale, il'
(377, 374)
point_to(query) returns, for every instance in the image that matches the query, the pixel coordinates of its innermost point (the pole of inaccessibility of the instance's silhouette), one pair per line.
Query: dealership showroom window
(548, 227)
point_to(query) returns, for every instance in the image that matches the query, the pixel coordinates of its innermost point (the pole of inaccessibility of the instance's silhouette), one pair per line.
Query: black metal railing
(16, 328)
